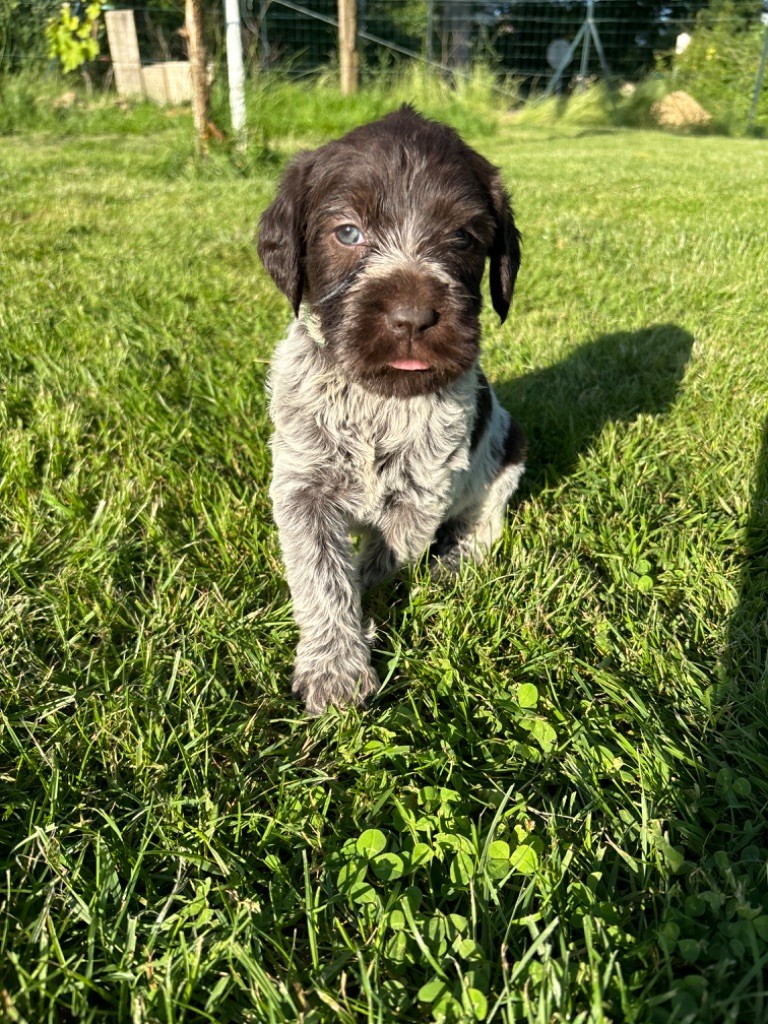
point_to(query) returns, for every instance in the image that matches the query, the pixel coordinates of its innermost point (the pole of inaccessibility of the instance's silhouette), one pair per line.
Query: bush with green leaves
(719, 67)
(73, 35)
(22, 37)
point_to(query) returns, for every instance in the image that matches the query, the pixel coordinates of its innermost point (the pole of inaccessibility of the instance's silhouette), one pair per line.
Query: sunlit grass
(555, 809)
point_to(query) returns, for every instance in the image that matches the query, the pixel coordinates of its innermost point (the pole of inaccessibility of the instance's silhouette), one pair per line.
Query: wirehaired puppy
(385, 426)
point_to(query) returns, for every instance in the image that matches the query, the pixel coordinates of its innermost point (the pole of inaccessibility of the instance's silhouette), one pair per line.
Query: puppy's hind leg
(403, 535)
(477, 525)
(376, 559)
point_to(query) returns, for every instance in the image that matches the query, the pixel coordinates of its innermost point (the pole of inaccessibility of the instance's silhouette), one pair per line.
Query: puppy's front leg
(333, 663)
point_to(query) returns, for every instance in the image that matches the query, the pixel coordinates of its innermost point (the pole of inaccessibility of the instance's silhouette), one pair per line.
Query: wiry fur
(361, 447)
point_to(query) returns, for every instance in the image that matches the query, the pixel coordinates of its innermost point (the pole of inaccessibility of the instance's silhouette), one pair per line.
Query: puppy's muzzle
(408, 320)
(409, 305)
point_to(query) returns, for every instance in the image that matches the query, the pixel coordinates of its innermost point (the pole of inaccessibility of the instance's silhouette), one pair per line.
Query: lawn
(555, 808)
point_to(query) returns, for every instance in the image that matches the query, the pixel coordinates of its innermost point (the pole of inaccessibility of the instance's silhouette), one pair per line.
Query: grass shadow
(615, 377)
(716, 926)
(707, 935)
(747, 650)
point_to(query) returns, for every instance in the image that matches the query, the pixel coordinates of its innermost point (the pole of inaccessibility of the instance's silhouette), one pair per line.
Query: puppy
(385, 426)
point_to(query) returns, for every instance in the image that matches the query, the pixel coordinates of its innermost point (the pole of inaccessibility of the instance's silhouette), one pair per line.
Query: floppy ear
(505, 249)
(281, 231)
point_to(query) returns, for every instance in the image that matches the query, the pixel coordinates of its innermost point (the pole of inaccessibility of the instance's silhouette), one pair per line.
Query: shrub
(73, 35)
(719, 68)
(22, 32)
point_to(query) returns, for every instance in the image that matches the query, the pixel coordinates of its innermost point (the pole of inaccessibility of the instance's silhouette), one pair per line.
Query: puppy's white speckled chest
(366, 447)
(412, 449)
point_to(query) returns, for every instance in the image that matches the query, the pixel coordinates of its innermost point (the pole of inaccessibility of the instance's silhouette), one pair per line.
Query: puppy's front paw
(337, 685)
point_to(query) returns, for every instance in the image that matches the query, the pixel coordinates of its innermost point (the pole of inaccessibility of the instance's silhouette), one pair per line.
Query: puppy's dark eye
(348, 234)
(461, 239)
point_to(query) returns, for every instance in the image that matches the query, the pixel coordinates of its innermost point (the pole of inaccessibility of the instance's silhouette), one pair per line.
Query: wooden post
(124, 48)
(193, 16)
(348, 62)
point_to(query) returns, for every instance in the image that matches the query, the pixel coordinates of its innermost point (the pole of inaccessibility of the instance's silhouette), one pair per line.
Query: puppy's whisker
(344, 286)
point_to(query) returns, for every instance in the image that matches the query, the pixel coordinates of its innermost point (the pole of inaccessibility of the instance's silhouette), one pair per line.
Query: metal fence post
(235, 65)
(263, 36)
(430, 30)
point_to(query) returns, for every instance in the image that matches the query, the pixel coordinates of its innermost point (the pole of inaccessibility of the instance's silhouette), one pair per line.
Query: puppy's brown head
(385, 233)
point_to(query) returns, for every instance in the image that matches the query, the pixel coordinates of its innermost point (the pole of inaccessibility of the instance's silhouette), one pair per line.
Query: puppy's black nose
(409, 320)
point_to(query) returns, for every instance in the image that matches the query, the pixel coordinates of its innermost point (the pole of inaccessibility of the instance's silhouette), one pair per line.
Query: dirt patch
(66, 101)
(679, 110)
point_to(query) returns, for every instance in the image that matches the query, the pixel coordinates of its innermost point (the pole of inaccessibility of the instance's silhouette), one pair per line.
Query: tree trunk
(201, 100)
(348, 45)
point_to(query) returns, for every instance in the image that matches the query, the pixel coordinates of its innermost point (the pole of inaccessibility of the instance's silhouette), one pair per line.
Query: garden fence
(538, 45)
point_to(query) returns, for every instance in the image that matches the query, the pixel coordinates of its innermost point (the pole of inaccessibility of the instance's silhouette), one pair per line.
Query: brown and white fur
(385, 426)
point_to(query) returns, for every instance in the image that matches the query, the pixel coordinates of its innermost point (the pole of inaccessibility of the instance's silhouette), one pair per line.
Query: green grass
(555, 809)
(281, 111)
(285, 113)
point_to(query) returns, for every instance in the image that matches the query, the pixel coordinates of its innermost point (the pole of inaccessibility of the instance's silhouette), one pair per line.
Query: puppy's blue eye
(461, 239)
(348, 234)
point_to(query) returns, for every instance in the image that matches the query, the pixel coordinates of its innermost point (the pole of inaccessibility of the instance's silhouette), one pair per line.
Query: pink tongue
(409, 364)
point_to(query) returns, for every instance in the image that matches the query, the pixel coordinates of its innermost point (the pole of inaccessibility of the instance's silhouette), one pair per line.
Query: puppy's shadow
(564, 407)
(747, 647)
(615, 377)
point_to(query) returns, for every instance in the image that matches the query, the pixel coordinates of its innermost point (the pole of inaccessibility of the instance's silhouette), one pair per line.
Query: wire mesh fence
(543, 45)
(717, 54)
(519, 37)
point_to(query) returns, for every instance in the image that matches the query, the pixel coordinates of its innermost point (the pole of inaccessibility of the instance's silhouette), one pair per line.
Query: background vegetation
(507, 45)
(718, 68)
